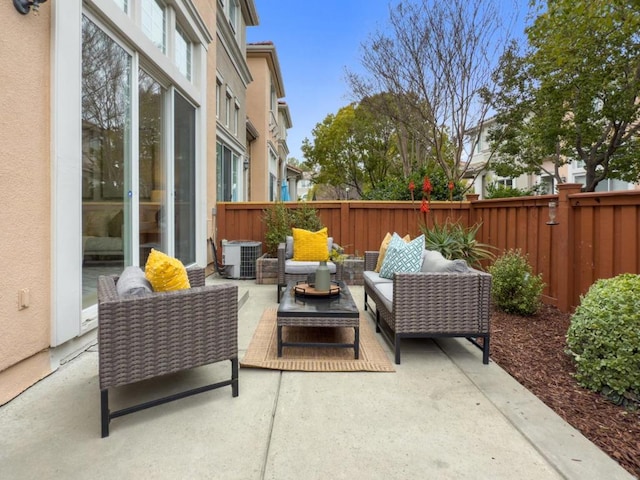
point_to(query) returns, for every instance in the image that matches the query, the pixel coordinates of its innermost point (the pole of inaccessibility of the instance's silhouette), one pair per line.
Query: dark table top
(341, 305)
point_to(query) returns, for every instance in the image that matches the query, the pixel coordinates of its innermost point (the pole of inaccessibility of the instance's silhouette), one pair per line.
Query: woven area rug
(263, 349)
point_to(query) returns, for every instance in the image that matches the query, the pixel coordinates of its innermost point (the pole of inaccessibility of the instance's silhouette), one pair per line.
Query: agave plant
(455, 241)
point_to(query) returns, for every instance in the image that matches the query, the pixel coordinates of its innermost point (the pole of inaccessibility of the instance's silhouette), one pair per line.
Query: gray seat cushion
(386, 294)
(293, 267)
(374, 278)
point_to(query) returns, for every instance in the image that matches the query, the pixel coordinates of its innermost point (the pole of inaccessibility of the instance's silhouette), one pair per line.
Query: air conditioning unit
(239, 258)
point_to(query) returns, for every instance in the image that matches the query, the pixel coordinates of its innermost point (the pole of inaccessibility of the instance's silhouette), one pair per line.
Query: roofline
(284, 108)
(268, 51)
(250, 13)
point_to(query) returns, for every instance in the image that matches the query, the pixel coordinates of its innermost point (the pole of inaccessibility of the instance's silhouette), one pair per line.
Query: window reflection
(151, 186)
(185, 180)
(106, 136)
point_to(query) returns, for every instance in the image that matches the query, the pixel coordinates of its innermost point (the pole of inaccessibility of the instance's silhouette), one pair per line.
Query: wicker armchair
(431, 305)
(290, 270)
(156, 334)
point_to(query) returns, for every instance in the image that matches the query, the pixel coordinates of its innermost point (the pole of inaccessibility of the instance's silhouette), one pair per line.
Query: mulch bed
(532, 350)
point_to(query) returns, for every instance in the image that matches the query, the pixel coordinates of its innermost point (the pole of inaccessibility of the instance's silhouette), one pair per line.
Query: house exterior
(266, 164)
(572, 172)
(232, 79)
(110, 134)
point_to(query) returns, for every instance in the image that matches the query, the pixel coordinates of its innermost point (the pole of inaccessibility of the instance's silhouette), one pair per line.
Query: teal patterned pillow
(402, 257)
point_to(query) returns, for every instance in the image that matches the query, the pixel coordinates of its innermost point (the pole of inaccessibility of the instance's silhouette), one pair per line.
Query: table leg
(356, 342)
(279, 340)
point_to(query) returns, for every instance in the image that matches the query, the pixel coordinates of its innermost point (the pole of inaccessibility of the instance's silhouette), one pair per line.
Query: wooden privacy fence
(597, 235)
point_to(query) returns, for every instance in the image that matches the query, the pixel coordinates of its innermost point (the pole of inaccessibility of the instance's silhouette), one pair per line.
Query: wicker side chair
(431, 305)
(160, 333)
(293, 271)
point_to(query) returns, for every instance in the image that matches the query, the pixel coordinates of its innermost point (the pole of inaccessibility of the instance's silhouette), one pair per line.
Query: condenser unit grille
(239, 258)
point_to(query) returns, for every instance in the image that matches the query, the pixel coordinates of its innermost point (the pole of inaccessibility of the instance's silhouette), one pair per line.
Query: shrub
(604, 339)
(305, 217)
(453, 240)
(515, 289)
(279, 219)
(502, 191)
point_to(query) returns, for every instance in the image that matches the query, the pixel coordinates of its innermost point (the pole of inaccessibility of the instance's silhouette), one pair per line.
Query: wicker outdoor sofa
(142, 337)
(430, 305)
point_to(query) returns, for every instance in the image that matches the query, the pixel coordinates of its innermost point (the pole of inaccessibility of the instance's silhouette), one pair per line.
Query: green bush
(454, 241)
(604, 339)
(305, 217)
(279, 219)
(501, 191)
(515, 289)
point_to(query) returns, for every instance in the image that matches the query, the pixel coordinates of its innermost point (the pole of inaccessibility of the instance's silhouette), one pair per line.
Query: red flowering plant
(425, 205)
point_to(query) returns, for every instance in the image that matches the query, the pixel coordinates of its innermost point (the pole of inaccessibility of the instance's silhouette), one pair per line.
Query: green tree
(353, 148)
(573, 94)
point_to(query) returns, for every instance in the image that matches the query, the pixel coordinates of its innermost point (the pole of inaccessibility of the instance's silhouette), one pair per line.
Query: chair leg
(485, 350)
(365, 301)
(279, 292)
(377, 321)
(397, 348)
(234, 377)
(104, 412)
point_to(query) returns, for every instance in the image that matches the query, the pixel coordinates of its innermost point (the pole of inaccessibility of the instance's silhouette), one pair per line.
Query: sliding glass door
(106, 157)
(138, 191)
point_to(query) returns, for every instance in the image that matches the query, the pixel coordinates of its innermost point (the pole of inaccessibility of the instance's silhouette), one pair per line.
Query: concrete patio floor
(442, 414)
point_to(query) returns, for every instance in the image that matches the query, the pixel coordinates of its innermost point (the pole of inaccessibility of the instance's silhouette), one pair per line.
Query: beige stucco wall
(25, 233)
(258, 97)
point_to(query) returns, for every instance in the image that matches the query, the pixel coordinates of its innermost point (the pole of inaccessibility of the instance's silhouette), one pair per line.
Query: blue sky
(315, 40)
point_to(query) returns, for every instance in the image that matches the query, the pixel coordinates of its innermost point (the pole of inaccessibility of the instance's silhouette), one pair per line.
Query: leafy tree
(353, 148)
(574, 94)
(435, 61)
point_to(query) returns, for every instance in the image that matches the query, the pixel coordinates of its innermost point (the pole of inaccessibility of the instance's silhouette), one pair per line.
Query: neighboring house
(232, 78)
(288, 175)
(107, 133)
(266, 168)
(293, 176)
(572, 172)
(305, 185)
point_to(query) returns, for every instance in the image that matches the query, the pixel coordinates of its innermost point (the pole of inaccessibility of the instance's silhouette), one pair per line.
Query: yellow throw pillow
(383, 249)
(310, 246)
(165, 273)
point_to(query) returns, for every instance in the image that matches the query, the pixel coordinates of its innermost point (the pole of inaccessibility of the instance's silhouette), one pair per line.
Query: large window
(126, 210)
(129, 153)
(183, 53)
(106, 142)
(154, 23)
(185, 179)
(152, 167)
(227, 174)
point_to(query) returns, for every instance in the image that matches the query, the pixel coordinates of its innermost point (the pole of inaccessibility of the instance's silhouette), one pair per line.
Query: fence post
(471, 216)
(565, 247)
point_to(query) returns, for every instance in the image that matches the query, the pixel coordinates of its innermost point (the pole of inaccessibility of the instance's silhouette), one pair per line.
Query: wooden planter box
(267, 270)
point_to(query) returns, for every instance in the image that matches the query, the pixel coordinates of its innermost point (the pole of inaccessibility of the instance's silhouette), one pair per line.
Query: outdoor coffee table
(338, 310)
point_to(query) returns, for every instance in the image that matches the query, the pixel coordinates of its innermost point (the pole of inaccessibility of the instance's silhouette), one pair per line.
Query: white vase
(323, 277)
